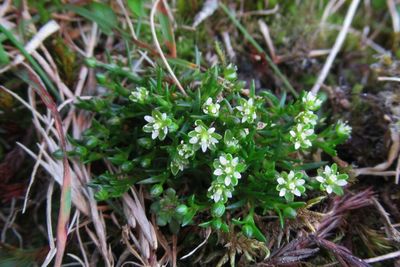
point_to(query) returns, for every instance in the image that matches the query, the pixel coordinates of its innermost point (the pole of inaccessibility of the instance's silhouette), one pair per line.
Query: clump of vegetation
(221, 149)
(186, 138)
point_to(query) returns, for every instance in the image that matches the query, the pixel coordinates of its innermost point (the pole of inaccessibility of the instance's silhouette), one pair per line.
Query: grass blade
(65, 202)
(249, 38)
(167, 29)
(43, 76)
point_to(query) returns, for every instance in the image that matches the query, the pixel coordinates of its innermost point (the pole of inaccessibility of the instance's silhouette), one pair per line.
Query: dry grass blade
(65, 202)
(48, 29)
(159, 50)
(207, 10)
(336, 47)
(166, 20)
(388, 256)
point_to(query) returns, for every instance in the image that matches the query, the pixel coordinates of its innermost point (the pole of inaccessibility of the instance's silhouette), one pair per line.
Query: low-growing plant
(215, 158)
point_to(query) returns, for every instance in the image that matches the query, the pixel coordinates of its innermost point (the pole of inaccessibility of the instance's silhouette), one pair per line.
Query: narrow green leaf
(100, 13)
(136, 6)
(4, 59)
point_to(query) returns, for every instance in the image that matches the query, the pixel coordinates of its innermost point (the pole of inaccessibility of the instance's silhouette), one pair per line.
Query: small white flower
(343, 128)
(203, 136)
(158, 125)
(290, 185)
(219, 192)
(228, 169)
(230, 72)
(311, 101)
(307, 118)
(211, 108)
(247, 110)
(140, 95)
(300, 136)
(178, 164)
(331, 180)
(185, 150)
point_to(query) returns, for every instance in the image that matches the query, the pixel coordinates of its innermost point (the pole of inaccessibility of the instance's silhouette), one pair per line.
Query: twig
(394, 14)
(208, 233)
(337, 46)
(388, 79)
(159, 50)
(391, 232)
(260, 12)
(265, 32)
(368, 41)
(228, 45)
(383, 257)
(207, 10)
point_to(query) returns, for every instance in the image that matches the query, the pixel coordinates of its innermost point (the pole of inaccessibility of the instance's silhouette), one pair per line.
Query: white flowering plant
(219, 151)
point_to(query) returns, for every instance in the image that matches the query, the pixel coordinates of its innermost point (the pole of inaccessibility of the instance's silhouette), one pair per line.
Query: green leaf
(167, 29)
(218, 209)
(4, 59)
(182, 209)
(187, 218)
(247, 230)
(136, 6)
(100, 13)
(312, 165)
(152, 180)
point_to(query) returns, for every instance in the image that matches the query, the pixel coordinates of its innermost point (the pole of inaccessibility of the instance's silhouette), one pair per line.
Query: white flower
(203, 136)
(185, 150)
(219, 192)
(228, 169)
(247, 110)
(307, 118)
(290, 185)
(331, 180)
(231, 143)
(300, 136)
(158, 125)
(140, 95)
(311, 101)
(343, 129)
(211, 108)
(230, 72)
(178, 164)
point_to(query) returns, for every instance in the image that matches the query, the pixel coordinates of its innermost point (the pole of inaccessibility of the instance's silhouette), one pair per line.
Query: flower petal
(203, 146)
(154, 134)
(223, 160)
(149, 118)
(280, 180)
(194, 140)
(282, 192)
(297, 192)
(218, 172)
(329, 189)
